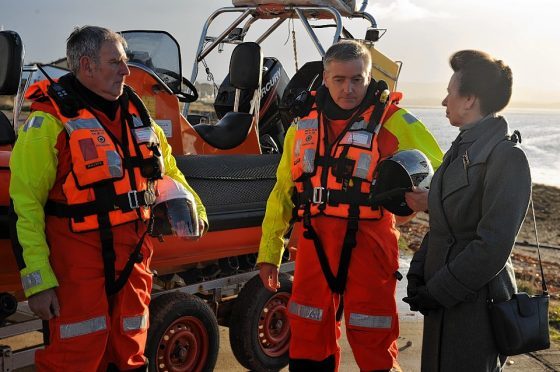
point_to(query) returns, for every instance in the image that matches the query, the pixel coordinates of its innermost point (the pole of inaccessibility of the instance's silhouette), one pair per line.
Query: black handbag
(520, 324)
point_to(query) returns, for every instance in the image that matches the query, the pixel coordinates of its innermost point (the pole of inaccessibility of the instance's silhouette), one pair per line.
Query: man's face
(106, 76)
(347, 82)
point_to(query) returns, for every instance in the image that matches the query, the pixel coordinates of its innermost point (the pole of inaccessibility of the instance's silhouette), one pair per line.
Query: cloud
(404, 10)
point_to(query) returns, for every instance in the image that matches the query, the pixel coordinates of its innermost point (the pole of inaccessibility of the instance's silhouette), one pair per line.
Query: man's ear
(325, 78)
(86, 66)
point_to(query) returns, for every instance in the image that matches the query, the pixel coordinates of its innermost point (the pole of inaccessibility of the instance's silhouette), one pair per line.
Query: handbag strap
(543, 282)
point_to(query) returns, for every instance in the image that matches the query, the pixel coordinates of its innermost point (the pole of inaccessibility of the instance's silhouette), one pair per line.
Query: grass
(554, 321)
(553, 309)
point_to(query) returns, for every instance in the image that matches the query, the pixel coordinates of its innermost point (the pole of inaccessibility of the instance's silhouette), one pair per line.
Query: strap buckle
(318, 193)
(133, 199)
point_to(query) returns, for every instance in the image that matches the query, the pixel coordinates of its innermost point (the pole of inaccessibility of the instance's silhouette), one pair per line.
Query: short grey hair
(347, 50)
(87, 41)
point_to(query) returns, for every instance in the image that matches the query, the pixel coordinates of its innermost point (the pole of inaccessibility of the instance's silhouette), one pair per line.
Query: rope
(294, 45)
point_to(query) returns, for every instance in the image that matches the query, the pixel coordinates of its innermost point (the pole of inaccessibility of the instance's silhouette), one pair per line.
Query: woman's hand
(417, 199)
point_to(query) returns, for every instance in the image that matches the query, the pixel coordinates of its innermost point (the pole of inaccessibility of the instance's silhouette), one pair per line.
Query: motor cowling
(274, 81)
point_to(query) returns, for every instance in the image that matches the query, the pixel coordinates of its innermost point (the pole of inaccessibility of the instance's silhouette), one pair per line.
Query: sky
(421, 33)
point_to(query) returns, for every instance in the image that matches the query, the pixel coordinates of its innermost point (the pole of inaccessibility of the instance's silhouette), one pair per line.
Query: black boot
(308, 365)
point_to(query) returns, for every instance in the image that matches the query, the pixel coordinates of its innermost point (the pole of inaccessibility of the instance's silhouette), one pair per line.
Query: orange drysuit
(369, 291)
(98, 329)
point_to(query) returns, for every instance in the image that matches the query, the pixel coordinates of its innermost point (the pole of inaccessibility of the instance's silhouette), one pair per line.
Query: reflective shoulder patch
(34, 122)
(409, 118)
(83, 328)
(72, 125)
(308, 124)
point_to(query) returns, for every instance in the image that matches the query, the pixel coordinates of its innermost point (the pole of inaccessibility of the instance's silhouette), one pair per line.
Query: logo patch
(100, 139)
(94, 164)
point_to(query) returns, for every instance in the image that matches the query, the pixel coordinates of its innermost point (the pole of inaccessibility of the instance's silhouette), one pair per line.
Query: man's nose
(348, 87)
(124, 70)
(444, 102)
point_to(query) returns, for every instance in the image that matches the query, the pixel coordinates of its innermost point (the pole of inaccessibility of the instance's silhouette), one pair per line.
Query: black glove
(423, 301)
(414, 282)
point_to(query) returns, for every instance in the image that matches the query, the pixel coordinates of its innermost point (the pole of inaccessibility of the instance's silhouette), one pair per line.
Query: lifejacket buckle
(133, 199)
(318, 195)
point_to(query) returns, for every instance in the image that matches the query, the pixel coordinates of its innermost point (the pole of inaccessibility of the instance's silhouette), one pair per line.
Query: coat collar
(452, 176)
(483, 137)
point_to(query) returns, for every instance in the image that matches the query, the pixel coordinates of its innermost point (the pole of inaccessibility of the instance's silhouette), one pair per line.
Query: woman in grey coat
(477, 201)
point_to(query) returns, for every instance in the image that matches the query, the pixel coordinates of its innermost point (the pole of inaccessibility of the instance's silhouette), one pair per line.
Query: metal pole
(200, 54)
(270, 30)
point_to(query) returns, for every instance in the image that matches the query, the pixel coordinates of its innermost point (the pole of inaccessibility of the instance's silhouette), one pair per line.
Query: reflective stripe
(115, 164)
(136, 121)
(308, 160)
(360, 138)
(359, 125)
(135, 323)
(31, 280)
(297, 148)
(145, 135)
(370, 321)
(72, 125)
(308, 124)
(362, 168)
(409, 118)
(308, 312)
(34, 122)
(83, 328)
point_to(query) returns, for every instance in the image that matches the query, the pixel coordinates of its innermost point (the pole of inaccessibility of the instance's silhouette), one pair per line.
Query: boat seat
(227, 133)
(233, 188)
(245, 73)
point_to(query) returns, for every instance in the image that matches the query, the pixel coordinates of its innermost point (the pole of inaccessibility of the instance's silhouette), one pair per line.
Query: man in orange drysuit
(347, 253)
(83, 175)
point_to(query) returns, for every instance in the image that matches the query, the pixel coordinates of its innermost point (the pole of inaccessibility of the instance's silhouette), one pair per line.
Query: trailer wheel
(259, 331)
(183, 334)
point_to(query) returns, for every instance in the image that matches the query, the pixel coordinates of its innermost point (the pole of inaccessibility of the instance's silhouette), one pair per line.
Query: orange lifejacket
(107, 179)
(330, 178)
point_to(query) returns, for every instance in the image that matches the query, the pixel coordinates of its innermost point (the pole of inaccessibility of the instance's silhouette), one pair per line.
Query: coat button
(450, 241)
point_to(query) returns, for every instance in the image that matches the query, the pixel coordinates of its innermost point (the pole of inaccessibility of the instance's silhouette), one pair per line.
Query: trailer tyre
(259, 331)
(183, 334)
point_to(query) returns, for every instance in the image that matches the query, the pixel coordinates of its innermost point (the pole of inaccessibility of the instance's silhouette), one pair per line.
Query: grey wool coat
(477, 203)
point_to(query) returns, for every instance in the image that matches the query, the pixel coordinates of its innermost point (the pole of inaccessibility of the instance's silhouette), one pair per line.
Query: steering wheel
(182, 96)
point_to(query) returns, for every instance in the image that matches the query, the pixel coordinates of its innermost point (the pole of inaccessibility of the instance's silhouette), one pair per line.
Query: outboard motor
(274, 81)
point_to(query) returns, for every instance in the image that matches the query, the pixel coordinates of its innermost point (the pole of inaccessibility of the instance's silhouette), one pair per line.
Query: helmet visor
(176, 217)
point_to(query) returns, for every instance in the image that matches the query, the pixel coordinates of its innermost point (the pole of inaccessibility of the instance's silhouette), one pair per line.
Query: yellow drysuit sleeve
(278, 207)
(33, 165)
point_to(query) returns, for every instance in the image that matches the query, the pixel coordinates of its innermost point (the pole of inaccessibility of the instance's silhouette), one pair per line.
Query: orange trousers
(92, 330)
(369, 299)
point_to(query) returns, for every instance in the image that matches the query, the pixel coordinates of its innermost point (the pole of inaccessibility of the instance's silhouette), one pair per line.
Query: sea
(540, 133)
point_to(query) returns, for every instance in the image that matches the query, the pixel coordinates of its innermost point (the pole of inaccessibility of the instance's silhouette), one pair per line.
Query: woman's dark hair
(481, 75)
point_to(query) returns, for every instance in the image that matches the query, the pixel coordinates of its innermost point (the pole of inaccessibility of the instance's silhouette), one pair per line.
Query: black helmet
(174, 210)
(396, 175)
